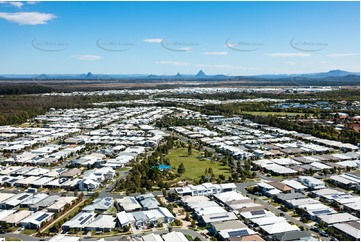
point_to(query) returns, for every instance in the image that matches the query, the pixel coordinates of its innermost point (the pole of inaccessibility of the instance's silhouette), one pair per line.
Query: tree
(189, 148)
(181, 169)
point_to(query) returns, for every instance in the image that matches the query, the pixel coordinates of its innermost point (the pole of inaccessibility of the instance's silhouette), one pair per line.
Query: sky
(164, 38)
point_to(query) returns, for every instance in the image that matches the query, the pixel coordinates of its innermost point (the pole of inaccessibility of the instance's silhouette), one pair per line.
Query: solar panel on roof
(133, 200)
(218, 217)
(108, 199)
(13, 180)
(238, 233)
(322, 212)
(107, 203)
(259, 212)
(86, 219)
(23, 197)
(42, 217)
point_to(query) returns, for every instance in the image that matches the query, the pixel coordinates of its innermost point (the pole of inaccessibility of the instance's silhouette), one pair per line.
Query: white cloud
(87, 57)
(14, 4)
(174, 63)
(27, 18)
(215, 53)
(289, 54)
(153, 40)
(32, 2)
(343, 54)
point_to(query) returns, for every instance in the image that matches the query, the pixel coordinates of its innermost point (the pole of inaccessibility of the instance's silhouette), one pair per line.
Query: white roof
(228, 186)
(209, 210)
(320, 165)
(152, 237)
(80, 220)
(230, 196)
(348, 229)
(125, 218)
(165, 212)
(225, 233)
(294, 184)
(268, 220)
(219, 217)
(17, 199)
(62, 237)
(5, 196)
(35, 199)
(338, 218)
(60, 203)
(279, 228)
(129, 203)
(37, 218)
(174, 236)
(327, 191)
(5, 213)
(302, 201)
(102, 221)
(17, 217)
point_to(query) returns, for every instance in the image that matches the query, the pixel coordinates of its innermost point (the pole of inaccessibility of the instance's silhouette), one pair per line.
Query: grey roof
(290, 196)
(140, 216)
(71, 173)
(100, 204)
(144, 196)
(291, 235)
(46, 202)
(149, 203)
(232, 224)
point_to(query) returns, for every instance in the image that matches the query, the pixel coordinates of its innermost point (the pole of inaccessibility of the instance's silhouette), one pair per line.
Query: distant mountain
(335, 73)
(332, 75)
(43, 77)
(201, 74)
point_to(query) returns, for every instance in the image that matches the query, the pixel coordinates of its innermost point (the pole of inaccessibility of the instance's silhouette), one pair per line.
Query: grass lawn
(124, 169)
(28, 231)
(194, 165)
(12, 239)
(262, 113)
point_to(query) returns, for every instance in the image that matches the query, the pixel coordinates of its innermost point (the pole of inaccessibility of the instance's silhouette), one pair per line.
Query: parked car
(315, 229)
(323, 233)
(334, 239)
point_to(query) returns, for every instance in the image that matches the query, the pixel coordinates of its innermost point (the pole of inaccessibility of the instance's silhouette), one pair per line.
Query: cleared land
(195, 164)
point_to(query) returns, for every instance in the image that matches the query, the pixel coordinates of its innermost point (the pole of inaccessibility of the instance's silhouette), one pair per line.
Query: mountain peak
(201, 74)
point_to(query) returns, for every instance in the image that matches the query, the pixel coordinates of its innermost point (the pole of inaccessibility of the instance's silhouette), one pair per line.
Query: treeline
(317, 130)
(342, 94)
(24, 89)
(169, 121)
(17, 109)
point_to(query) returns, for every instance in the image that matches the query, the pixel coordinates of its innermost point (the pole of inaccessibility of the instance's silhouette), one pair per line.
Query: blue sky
(236, 38)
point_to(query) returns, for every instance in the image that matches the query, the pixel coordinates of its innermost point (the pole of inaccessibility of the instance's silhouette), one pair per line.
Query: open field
(194, 165)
